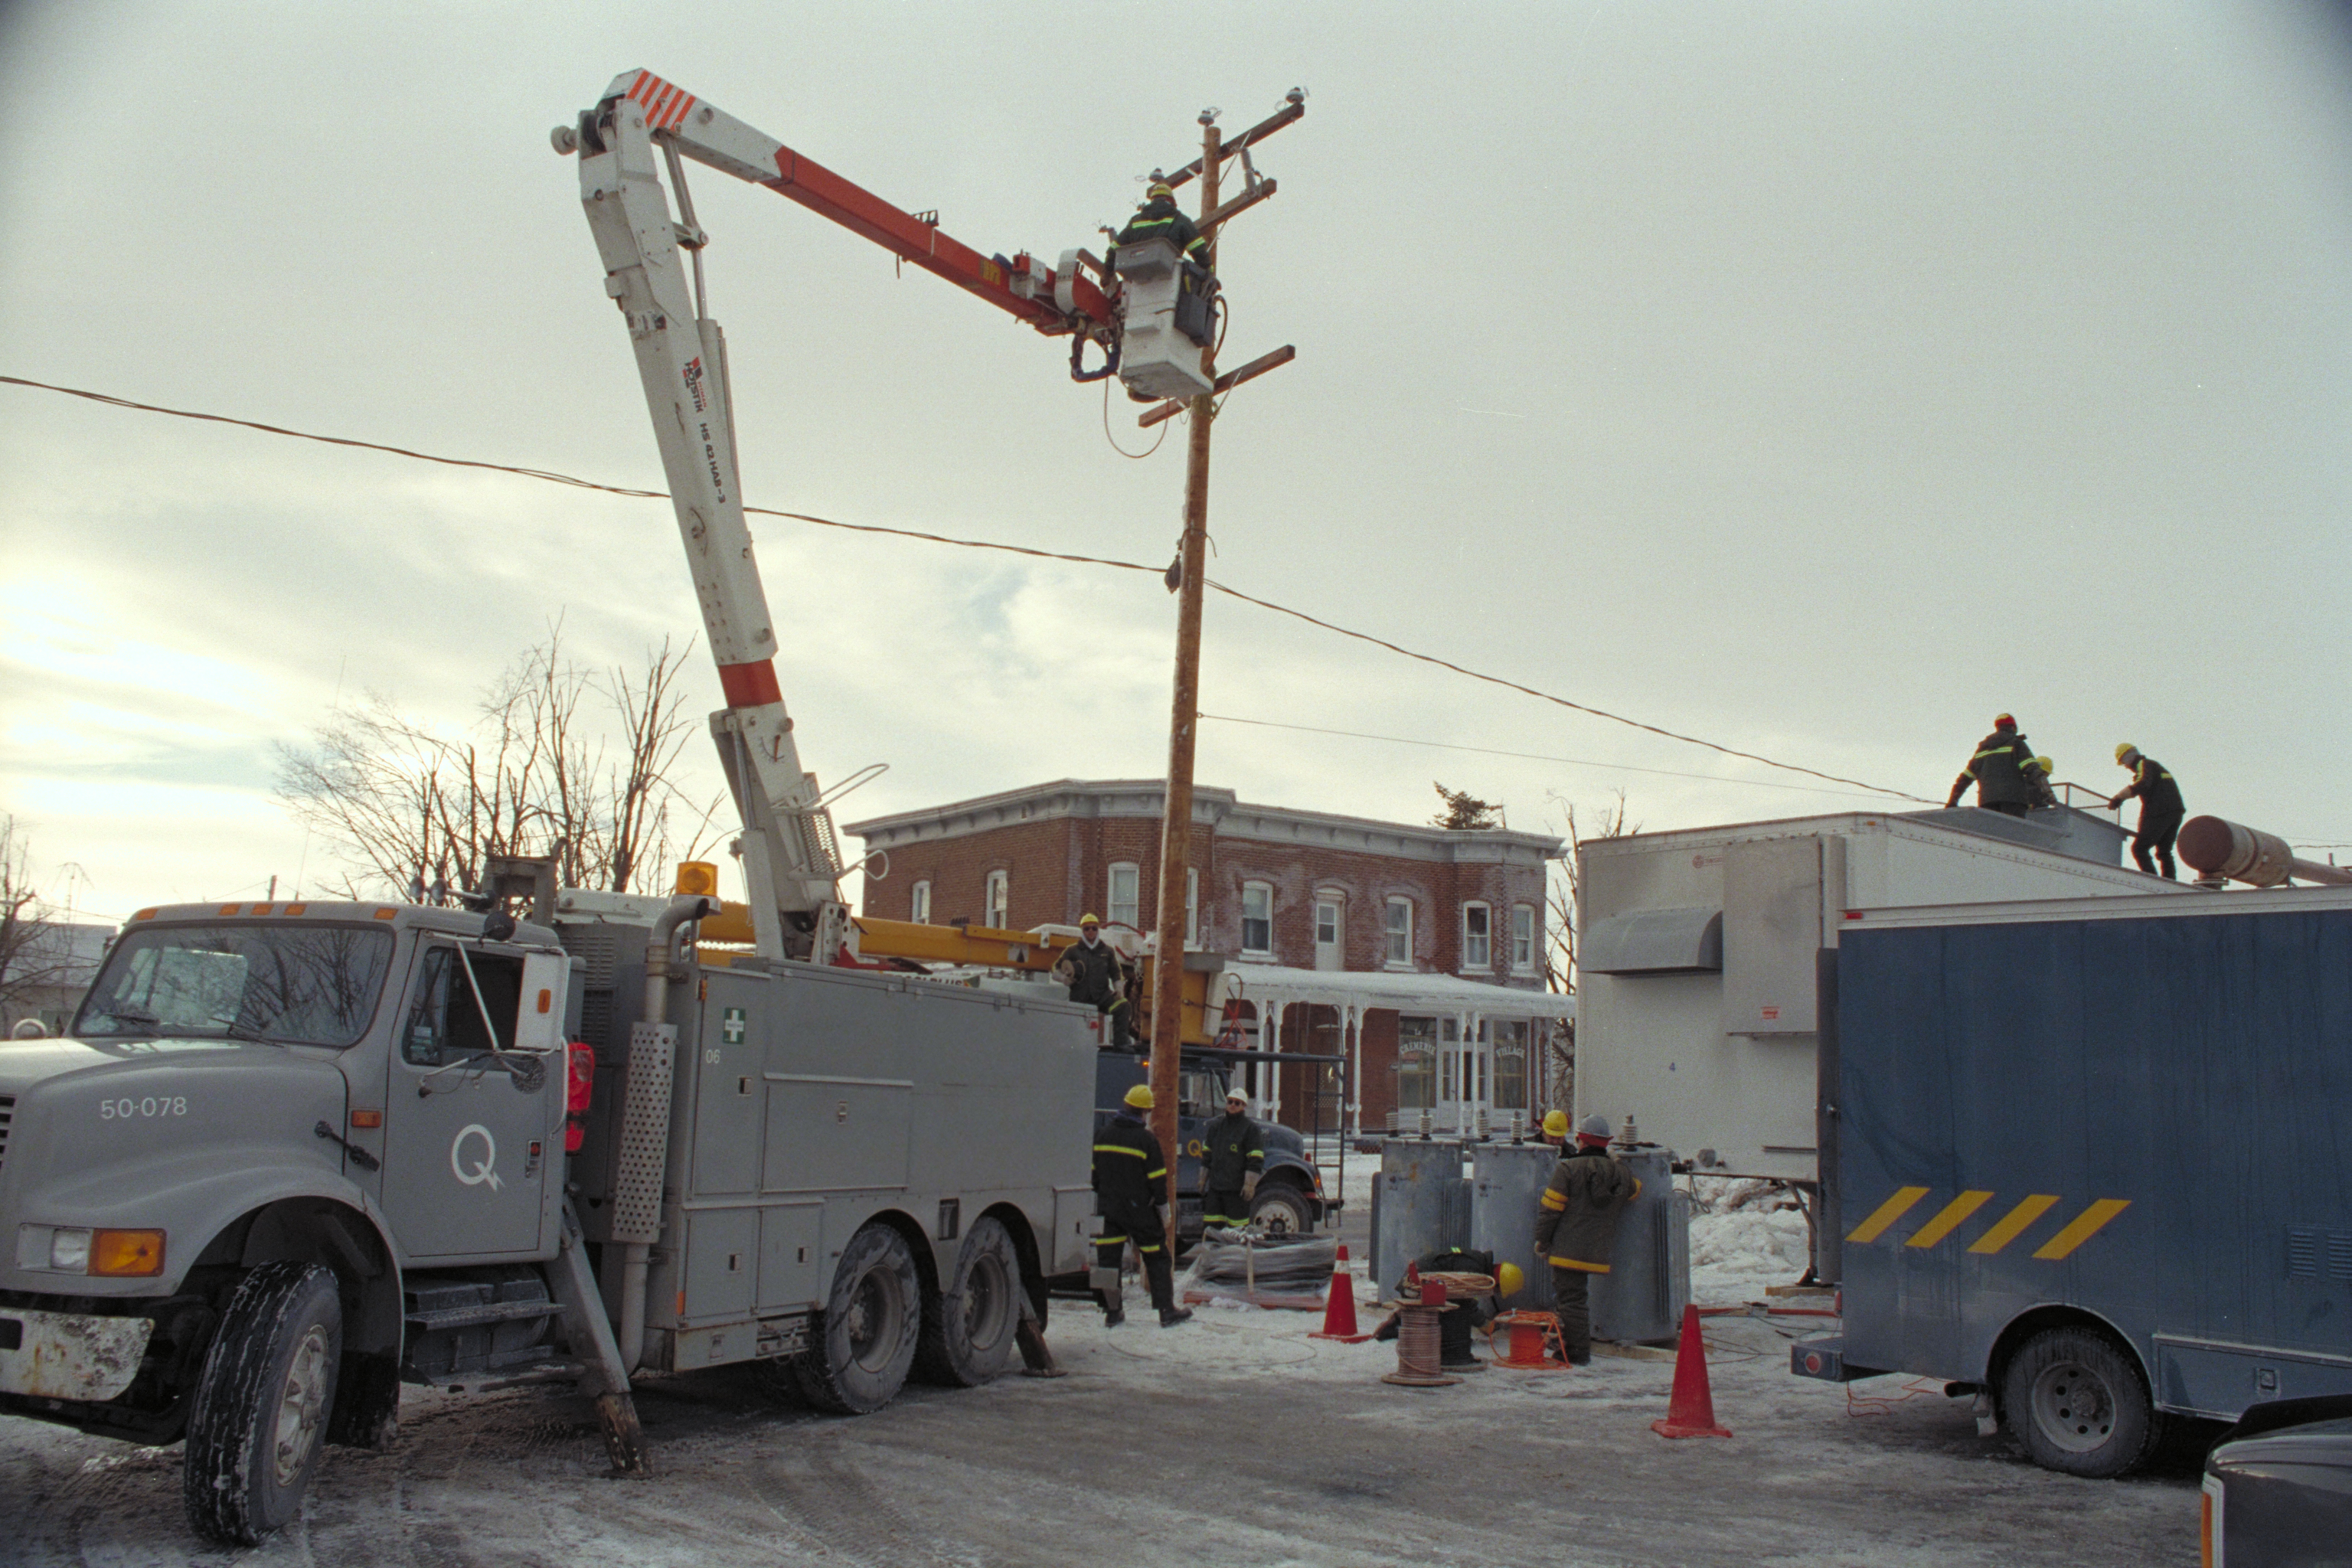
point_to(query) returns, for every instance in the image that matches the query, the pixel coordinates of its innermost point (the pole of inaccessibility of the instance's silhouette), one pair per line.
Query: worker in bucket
(2038, 794)
(1097, 977)
(1576, 1228)
(1233, 1153)
(1130, 1194)
(2160, 810)
(1998, 770)
(1161, 219)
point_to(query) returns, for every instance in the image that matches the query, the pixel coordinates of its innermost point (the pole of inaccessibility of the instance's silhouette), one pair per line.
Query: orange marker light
(546, 1000)
(297, 909)
(385, 914)
(228, 908)
(367, 1118)
(126, 1254)
(144, 915)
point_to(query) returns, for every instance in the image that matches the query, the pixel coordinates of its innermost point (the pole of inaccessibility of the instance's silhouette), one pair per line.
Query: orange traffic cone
(1690, 1412)
(1340, 1311)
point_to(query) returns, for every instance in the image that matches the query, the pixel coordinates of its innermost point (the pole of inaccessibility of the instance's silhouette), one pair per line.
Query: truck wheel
(1282, 1210)
(969, 1341)
(259, 1416)
(872, 1321)
(2077, 1400)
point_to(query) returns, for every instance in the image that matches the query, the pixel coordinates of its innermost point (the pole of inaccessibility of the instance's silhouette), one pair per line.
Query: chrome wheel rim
(300, 1405)
(2073, 1407)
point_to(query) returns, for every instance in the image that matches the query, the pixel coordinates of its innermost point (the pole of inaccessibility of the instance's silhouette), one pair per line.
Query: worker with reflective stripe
(1097, 977)
(2160, 810)
(1998, 770)
(1233, 1153)
(1161, 219)
(1131, 1193)
(1576, 1228)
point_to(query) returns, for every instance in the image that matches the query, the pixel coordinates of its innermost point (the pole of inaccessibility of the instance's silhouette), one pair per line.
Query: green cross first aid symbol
(730, 1028)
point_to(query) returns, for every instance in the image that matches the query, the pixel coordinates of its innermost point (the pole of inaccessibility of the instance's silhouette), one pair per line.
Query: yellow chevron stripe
(1887, 1213)
(2086, 1225)
(1949, 1218)
(2013, 1223)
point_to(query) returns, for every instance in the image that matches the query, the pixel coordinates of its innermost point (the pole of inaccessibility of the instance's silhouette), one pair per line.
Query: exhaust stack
(2222, 850)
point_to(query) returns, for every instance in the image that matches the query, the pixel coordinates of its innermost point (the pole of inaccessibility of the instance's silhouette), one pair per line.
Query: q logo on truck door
(485, 1170)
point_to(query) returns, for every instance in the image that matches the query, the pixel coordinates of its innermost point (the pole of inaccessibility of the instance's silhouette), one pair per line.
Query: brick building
(1417, 952)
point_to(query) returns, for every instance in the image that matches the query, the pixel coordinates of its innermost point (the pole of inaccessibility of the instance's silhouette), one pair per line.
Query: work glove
(1249, 1186)
(2115, 803)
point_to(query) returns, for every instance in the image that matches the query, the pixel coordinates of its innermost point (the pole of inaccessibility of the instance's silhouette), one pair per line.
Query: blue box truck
(2092, 1159)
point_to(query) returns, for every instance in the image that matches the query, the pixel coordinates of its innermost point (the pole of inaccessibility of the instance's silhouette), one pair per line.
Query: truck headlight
(70, 1250)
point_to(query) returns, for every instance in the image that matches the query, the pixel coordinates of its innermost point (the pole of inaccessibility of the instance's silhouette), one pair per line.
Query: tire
(258, 1421)
(2077, 1400)
(1282, 1208)
(873, 1319)
(970, 1340)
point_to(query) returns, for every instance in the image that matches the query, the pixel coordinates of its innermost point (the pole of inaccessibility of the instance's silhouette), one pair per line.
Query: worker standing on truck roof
(1097, 977)
(2039, 795)
(2160, 810)
(1576, 1228)
(1130, 1192)
(1161, 219)
(1233, 1153)
(1998, 770)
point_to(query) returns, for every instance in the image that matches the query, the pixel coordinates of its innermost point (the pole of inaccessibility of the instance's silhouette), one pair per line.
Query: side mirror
(497, 926)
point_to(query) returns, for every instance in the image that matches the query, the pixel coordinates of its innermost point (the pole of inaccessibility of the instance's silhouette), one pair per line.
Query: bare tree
(1559, 947)
(560, 760)
(35, 951)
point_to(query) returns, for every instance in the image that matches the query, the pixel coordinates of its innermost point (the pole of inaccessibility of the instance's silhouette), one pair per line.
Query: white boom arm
(789, 859)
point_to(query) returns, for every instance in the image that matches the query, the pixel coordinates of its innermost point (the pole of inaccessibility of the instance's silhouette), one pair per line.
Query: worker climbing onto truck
(1161, 219)
(1097, 977)
(1576, 1228)
(1130, 1194)
(2039, 795)
(1233, 1153)
(1998, 770)
(2160, 810)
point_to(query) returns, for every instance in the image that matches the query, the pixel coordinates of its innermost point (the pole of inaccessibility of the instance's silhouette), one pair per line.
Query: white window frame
(1134, 899)
(1389, 934)
(996, 900)
(919, 902)
(1483, 963)
(1338, 908)
(1523, 942)
(1268, 949)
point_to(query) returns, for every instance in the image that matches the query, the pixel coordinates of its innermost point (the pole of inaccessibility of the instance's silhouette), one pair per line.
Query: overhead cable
(551, 477)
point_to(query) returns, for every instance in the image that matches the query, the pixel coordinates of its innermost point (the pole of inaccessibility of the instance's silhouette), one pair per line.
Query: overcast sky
(1816, 378)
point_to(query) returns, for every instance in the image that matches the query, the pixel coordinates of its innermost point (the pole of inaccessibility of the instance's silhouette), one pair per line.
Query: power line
(1528, 757)
(549, 476)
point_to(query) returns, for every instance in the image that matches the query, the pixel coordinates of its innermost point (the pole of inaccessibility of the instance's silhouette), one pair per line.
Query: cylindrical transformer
(2218, 848)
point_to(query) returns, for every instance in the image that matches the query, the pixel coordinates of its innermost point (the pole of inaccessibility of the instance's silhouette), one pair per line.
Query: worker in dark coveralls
(1233, 1153)
(1998, 770)
(2040, 796)
(1161, 219)
(1132, 1194)
(1097, 977)
(2160, 810)
(1576, 1228)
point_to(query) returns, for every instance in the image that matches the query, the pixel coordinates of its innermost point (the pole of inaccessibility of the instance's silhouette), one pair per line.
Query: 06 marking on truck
(1947, 1218)
(1887, 1213)
(2013, 1223)
(2085, 1226)
(484, 1172)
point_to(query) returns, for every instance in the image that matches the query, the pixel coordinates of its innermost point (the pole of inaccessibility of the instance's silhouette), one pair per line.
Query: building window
(919, 903)
(1523, 939)
(1478, 937)
(1326, 922)
(1257, 916)
(1400, 933)
(1126, 898)
(1192, 906)
(997, 906)
(1416, 1064)
(1511, 1064)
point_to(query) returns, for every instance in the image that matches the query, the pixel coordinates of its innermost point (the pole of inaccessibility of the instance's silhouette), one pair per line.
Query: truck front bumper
(69, 1355)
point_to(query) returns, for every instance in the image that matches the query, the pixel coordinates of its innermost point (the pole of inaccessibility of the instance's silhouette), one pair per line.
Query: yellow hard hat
(1554, 1124)
(1508, 1278)
(1159, 188)
(1140, 1097)
(2045, 764)
(2126, 749)
(1089, 921)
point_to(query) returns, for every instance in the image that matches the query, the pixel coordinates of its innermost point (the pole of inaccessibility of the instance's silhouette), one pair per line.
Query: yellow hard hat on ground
(1140, 1097)
(1508, 1278)
(1554, 1124)
(2126, 749)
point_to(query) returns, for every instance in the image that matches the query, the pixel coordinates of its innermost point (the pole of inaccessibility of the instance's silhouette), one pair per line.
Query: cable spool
(1418, 1353)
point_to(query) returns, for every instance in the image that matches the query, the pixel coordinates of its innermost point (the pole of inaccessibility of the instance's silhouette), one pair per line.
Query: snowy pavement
(1233, 1441)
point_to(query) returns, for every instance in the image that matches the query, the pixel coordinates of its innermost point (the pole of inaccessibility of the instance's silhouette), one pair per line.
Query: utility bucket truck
(296, 1155)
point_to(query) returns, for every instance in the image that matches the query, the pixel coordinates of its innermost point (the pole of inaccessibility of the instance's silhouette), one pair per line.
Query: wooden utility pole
(1184, 727)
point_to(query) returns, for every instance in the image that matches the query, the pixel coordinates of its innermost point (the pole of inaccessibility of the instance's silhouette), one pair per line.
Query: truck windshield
(289, 984)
